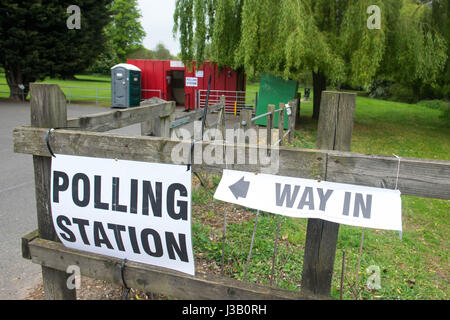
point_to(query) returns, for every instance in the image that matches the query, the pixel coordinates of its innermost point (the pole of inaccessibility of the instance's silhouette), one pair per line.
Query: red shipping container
(172, 81)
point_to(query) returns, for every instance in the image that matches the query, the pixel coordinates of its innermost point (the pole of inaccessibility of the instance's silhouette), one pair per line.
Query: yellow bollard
(235, 108)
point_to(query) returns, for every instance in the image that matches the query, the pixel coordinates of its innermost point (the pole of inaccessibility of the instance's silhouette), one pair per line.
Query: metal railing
(76, 92)
(69, 92)
(158, 92)
(6, 85)
(9, 91)
(235, 101)
(70, 95)
(269, 113)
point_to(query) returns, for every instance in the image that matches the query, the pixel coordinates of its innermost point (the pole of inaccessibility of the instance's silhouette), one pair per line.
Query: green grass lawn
(416, 267)
(86, 88)
(83, 89)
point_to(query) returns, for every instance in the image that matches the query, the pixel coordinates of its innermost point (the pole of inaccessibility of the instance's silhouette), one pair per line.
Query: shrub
(446, 92)
(446, 115)
(380, 89)
(399, 92)
(439, 105)
(434, 104)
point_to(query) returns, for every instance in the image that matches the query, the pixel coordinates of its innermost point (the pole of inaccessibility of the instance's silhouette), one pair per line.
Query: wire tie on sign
(398, 171)
(400, 233)
(122, 269)
(189, 165)
(47, 141)
(47, 138)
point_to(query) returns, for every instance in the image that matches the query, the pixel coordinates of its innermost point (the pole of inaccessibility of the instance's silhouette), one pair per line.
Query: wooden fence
(83, 136)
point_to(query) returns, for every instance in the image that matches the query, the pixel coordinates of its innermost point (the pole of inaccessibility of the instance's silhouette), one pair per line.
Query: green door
(135, 88)
(273, 90)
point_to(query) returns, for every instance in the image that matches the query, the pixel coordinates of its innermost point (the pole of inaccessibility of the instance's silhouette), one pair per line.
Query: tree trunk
(69, 77)
(416, 90)
(319, 85)
(15, 79)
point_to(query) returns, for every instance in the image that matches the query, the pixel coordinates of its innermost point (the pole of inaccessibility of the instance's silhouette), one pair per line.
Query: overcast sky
(157, 21)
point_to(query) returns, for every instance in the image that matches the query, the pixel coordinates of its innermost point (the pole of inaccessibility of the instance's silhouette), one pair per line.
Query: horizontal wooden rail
(197, 114)
(417, 177)
(151, 278)
(119, 118)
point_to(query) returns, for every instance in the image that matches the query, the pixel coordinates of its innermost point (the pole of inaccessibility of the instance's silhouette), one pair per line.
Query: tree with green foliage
(125, 31)
(193, 42)
(124, 34)
(35, 41)
(330, 39)
(421, 48)
(161, 52)
(105, 60)
(141, 53)
(440, 20)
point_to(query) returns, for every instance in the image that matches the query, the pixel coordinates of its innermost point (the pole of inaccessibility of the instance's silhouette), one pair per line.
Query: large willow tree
(423, 39)
(331, 39)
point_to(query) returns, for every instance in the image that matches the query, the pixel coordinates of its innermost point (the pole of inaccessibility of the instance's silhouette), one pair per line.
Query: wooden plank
(185, 118)
(180, 122)
(146, 128)
(48, 109)
(119, 118)
(419, 177)
(159, 126)
(164, 123)
(296, 163)
(26, 239)
(150, 126)
(198, 114)
(335, 132)
(154, 279)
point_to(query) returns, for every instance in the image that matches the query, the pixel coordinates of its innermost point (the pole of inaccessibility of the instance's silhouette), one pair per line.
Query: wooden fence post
(281, 124)
(221, 117)
(298, 97)
(164, 122)
(334, 133)
(292, 119)
(271, 109)
(245, 116)
(159, 127)
(48, 110)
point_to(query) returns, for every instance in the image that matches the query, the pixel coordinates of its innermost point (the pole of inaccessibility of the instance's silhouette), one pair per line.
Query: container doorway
(176, 86)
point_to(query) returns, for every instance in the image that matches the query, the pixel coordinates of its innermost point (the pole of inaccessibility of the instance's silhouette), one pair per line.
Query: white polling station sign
(125, 209)
(191, 82)
(303, 198)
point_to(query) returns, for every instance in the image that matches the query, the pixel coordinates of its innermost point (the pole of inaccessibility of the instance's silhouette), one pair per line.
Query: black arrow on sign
(240, 188)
